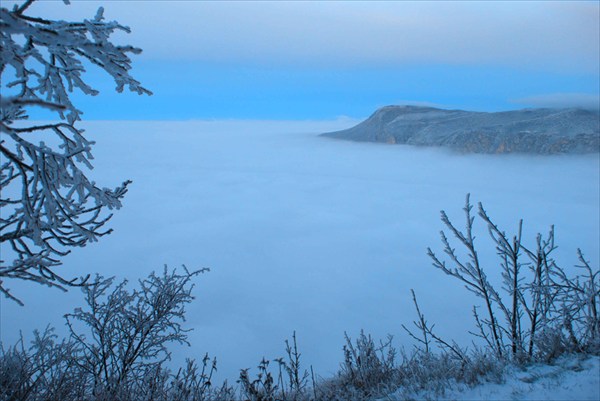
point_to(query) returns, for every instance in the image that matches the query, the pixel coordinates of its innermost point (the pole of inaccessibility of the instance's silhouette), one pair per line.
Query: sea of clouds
(306, 234)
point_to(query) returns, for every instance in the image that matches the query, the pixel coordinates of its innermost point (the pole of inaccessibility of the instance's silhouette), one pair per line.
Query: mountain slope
(542, 131)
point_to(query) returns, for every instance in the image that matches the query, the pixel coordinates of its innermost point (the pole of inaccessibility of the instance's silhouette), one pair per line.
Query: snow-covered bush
(116, 350)
(123, 334)
(372, 371)
(47, 204)
(289, 383)
(538, 311)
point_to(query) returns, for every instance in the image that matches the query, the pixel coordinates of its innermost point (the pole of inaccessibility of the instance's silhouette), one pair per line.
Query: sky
(323, 60)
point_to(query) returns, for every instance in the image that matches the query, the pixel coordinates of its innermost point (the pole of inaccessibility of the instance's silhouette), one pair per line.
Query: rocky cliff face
(542, 131)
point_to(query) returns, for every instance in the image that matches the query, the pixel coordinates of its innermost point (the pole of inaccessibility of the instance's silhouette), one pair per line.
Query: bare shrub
(368, 370)
(47, 370)
(296, 385)
(292, 381)
(263, 388)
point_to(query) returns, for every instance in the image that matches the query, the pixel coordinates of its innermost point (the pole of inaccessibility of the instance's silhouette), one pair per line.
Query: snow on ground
(574, 378)
(305, 233)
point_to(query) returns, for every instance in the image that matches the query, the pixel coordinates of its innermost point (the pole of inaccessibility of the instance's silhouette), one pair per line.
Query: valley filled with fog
(304, 233)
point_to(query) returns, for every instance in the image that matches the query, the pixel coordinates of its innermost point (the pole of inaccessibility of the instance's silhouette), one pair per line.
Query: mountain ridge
(539, 131)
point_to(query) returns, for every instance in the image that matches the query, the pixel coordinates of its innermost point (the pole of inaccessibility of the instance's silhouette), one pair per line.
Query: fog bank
(306, 233)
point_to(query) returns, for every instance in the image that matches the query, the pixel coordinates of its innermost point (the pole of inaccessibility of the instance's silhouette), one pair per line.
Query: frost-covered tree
(47, 204)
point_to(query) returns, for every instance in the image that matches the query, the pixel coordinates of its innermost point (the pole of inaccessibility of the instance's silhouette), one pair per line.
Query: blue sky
(322, 60)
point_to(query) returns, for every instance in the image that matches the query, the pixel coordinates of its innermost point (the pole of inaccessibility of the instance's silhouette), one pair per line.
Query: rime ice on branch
(47, 204)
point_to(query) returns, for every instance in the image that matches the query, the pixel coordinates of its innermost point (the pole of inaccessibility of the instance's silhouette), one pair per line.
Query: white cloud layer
(560, 100)
(306, 233)
(560, 36)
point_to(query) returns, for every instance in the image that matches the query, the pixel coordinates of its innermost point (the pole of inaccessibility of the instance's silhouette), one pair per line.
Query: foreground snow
(569, 378)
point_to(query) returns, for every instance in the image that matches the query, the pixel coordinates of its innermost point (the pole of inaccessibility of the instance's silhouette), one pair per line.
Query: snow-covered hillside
(574, 378)
(537, 131)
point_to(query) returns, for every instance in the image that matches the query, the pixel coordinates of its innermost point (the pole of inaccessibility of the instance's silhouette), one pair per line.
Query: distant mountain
(542, 131)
